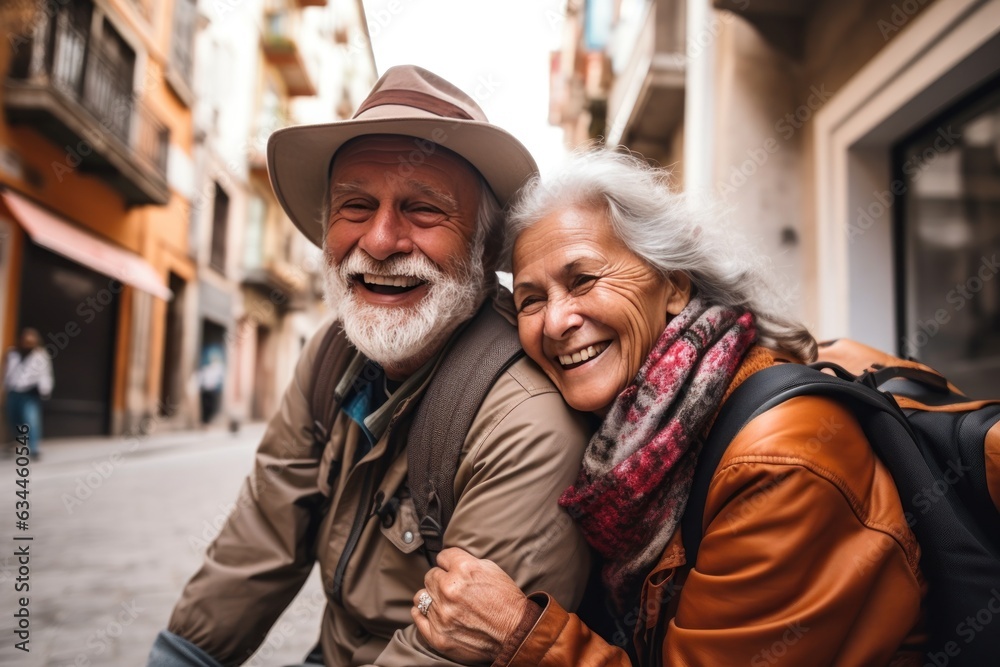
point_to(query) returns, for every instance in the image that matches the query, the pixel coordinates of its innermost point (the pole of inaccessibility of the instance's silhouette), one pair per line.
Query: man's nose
(561, 319)
(388, 233)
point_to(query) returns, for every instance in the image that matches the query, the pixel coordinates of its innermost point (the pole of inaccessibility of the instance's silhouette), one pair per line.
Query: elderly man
(405, 201)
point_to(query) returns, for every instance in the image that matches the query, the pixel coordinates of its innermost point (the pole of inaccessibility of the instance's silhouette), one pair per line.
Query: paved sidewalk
(118, 525)
(65, 450)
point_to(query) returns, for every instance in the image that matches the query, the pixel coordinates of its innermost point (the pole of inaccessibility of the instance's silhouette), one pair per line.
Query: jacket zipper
(360, 519)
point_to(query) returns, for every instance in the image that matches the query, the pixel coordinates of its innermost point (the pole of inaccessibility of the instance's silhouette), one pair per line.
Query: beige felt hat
(407, 100)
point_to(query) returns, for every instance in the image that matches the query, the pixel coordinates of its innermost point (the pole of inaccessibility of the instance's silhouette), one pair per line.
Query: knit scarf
(636, 472)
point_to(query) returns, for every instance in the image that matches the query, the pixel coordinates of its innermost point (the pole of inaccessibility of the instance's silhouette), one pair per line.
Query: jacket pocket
(401, 526)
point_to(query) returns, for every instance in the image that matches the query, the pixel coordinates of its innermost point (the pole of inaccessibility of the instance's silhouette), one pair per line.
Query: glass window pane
(951, 245)
(253, 239)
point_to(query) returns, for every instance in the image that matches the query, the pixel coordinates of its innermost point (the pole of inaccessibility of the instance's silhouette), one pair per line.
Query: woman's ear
(678, 293)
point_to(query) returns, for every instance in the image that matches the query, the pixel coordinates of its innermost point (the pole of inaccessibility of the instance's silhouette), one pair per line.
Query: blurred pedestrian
(210, 379)
(27, 381)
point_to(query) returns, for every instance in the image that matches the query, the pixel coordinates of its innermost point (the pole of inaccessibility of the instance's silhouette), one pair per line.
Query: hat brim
(298, 158)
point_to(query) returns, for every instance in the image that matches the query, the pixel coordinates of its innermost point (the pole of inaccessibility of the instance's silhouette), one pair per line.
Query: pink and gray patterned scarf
(637, 470)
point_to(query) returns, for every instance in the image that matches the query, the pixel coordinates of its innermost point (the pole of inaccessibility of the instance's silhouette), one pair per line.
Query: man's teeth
(391, 281)
(582, 355)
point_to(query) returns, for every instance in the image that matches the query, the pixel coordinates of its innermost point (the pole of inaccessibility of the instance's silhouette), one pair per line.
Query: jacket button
(408, 537)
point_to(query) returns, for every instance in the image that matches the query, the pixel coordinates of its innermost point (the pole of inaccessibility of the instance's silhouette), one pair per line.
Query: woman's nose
(561, 319)
(387, 234)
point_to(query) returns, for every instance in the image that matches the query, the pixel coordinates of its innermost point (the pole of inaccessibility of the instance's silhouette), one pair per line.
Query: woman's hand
(475, 607)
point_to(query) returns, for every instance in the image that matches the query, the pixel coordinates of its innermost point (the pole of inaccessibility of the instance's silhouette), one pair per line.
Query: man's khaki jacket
(299, 507)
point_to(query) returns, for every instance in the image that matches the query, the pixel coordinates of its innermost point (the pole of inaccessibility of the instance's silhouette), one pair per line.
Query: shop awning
(61, 236)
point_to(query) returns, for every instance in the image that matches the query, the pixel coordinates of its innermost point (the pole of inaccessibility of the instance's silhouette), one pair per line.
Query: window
(220, 224)
(182, 39)
(253, 238)
(948, 243)
(108, 89)
(70, 35)
(269, 115)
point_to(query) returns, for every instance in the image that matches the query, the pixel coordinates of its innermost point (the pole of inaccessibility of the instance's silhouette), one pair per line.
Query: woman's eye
(529, 304)
(583, 280)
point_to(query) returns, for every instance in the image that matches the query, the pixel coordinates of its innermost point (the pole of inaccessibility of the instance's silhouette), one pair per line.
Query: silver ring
(424, 603)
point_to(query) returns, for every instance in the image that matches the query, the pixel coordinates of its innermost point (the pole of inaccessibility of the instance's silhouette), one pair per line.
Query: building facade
(857, 141)
(138, 232)
(260, 295)
(95, 172)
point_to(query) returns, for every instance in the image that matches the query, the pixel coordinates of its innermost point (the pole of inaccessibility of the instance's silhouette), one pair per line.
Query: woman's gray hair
(671, 232)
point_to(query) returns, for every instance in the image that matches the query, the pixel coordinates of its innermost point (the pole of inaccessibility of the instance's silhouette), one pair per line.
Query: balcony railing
(63, 73)
(646, 101)
(281, 48)
(274, 275)
(152, 137)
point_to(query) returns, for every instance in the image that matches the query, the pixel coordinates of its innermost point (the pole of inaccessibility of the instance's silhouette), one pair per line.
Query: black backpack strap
(486, 348)
(334, 355)
(735, 413)
(760, 392)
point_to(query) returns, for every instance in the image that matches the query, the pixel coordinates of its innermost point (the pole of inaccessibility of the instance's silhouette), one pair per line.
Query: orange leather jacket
(806, 559)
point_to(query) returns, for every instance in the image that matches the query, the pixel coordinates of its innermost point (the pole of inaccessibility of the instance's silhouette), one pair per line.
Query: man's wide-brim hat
(408, 101)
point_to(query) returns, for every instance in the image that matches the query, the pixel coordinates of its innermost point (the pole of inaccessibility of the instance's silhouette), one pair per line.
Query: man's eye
(583, 280)
(355, 210)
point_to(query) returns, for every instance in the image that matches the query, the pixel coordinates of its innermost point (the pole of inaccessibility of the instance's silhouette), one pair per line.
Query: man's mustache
(360, 262)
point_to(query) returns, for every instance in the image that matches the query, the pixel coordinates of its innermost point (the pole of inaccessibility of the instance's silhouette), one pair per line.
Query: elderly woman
(649, 316)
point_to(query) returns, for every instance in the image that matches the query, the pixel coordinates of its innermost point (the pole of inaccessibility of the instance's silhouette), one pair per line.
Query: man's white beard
(397, 336)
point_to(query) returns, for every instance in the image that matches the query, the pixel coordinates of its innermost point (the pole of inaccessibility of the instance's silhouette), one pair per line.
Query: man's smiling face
(400, 267)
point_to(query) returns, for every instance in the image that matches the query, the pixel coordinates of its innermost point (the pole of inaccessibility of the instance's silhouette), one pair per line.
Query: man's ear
(491, 253)
(679, 292)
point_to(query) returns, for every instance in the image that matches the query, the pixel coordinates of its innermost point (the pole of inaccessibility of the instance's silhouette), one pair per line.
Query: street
(118, 525)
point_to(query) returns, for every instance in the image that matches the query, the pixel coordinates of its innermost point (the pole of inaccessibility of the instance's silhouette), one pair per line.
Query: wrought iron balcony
(646, 101)
(281, 49)
(276, 277)
(67, 89)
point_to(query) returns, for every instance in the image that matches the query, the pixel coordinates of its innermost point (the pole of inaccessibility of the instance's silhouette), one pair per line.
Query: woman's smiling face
(589, 310)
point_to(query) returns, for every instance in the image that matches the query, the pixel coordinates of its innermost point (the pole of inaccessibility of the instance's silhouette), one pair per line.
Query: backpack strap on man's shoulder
(334, 355)
(485, 349)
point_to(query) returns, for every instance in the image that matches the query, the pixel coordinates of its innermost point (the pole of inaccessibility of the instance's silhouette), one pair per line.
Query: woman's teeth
(582, 355)
(391, 281)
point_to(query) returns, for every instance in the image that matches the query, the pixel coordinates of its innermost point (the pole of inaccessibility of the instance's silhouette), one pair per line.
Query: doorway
(76, 311)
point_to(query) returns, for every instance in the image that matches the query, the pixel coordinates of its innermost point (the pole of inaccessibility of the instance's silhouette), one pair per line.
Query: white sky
(497, 52)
